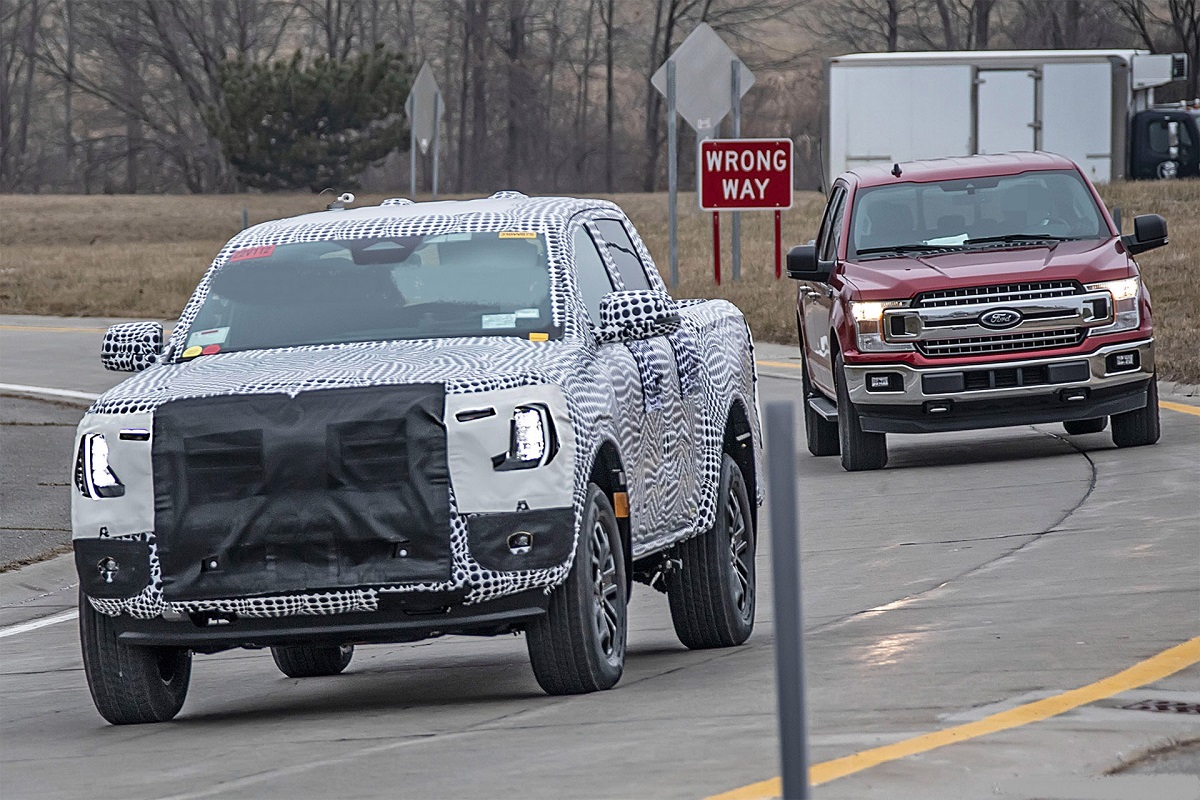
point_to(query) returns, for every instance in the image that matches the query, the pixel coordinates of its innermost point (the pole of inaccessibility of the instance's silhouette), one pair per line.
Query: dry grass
(141, 256)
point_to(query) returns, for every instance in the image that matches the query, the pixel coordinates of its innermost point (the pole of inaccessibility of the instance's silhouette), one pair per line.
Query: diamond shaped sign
(424, 107)
(702, 76)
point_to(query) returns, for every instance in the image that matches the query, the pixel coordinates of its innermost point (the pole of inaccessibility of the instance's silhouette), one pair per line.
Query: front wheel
(1141, 426)
(304, 661)
(130, 684)
(712, 593)
(860, 450)
(578, 645)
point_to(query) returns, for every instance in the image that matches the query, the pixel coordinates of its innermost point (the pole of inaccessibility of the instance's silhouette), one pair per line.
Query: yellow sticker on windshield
(518, 235)
(539, 337)
(192, 352)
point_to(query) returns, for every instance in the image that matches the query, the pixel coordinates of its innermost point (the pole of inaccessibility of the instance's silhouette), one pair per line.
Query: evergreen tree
(291, 125)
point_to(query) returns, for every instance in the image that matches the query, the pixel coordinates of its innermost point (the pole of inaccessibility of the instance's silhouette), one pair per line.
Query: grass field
(140, 256)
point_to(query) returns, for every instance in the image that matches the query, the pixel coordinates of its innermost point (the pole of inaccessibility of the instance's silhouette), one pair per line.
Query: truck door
(816, 299)
(1005, 110)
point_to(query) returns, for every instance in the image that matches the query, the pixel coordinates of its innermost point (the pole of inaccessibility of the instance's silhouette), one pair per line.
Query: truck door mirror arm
(803, 264)
(1149, 232)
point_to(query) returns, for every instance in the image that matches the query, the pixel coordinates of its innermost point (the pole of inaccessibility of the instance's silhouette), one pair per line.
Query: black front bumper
(400, 618)
(1050, 406)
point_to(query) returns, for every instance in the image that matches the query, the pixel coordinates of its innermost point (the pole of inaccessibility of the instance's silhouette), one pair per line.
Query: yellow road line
(1186, 409)
(1155, 668)
(49, 328)
(777, 364)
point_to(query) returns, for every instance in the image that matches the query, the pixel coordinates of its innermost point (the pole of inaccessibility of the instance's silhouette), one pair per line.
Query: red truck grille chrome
(1003, 343)
(1005, 293)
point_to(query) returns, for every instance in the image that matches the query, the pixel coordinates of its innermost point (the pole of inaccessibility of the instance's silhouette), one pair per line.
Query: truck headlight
(94, 476)
(532, 439)
(868, 326)
(1125, 293)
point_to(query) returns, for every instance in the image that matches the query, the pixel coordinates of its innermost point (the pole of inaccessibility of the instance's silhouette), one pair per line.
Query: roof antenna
(896, 170)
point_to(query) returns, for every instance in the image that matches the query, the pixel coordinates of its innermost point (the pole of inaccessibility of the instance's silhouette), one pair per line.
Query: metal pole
(245, 219)
(437, 127)
(672, 172)
(735, 238)
(785, 573)
(412, 153)
(717, 247)
(778, 244)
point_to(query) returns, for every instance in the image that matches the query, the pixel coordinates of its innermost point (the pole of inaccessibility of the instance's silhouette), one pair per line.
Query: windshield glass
(371, 289)
(957, 214)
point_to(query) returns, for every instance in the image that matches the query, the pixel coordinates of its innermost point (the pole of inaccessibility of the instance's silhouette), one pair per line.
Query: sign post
(424, 109)
(735, 232)
(745, 175)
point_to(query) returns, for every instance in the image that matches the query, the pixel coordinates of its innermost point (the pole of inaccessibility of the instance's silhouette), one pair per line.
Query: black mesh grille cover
(269, 494)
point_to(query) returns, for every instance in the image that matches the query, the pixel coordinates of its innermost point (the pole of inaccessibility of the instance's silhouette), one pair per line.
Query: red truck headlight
(1125, 294)
(868, 326)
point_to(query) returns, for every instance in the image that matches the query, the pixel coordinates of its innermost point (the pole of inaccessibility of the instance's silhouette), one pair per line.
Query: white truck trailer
(1095, 107)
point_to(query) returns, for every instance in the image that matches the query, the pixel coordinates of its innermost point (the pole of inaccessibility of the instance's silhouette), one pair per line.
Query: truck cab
(967, 293)
(1165, 143)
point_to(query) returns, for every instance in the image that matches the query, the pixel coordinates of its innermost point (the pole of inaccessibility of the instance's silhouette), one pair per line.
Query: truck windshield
(978, 212)
(373, 289)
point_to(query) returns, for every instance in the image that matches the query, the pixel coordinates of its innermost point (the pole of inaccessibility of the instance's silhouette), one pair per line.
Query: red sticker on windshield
(262, 251)
(211, 349)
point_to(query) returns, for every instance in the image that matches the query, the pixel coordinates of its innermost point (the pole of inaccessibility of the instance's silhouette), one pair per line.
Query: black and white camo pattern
(131, 346)
(639, 314)
(672, 457)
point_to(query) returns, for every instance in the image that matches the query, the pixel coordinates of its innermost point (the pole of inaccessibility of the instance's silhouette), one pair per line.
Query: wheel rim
(740, 553)
(606, 591)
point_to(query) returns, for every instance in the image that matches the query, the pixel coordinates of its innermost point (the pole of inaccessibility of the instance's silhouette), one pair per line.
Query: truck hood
(475, 364)
(903, 277)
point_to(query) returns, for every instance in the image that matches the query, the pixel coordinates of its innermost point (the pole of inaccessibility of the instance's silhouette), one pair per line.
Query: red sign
(745, 174)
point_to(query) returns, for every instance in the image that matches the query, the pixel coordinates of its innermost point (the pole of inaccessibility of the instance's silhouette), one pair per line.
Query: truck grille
(1002, 343)
(1005, 293)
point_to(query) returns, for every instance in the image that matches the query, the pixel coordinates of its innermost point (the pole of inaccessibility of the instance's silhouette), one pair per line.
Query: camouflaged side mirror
(131, 346)
(637, 314)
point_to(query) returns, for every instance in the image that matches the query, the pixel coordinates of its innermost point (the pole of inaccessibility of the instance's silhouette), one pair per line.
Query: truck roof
(941, 169)
(994, 57)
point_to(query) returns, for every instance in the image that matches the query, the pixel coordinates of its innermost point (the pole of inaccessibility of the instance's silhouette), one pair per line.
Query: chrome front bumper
(921, 385)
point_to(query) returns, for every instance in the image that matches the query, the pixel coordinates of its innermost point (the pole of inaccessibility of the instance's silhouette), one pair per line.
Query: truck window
(624, 254)
(830, 232)
(593, 277)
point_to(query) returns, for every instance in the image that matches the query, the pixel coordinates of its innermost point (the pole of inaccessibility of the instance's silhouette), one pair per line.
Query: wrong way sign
(745, 174)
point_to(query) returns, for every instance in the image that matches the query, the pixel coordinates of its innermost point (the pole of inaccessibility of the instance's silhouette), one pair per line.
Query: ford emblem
(999, 319)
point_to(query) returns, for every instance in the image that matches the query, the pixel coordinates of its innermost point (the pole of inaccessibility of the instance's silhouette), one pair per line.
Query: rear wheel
(860, 450)
(1141, 426)
(304, 661)
(1078, 426)
(130, 684)
(578, 645)
(822, 434)
(712, 593)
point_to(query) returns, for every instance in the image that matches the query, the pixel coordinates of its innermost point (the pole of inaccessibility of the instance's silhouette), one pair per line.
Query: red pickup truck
(975, 292)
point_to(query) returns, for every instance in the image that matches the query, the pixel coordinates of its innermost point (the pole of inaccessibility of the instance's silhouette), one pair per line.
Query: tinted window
(591, 273)
(833, 234)
(624, 254)
(372, 289)
(950, 213)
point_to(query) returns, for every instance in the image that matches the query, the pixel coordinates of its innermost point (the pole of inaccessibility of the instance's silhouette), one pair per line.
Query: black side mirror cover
(1149, 232)
(802, 264)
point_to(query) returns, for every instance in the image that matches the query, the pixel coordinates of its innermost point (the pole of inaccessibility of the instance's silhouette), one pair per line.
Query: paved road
(979, 571)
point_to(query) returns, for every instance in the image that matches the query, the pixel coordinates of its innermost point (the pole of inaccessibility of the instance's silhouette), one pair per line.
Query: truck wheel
(712, 593)
(1078, 426)
(303, 661)
(1138, 427)
(130, 684)
(578, 645)
(860, 450)
(822, 435)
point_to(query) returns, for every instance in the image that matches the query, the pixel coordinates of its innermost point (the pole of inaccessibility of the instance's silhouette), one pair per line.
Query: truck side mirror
(131, 346)
(1149, 232)
(802, 264)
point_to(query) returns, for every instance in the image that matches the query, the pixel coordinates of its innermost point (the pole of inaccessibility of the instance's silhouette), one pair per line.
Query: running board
(823, 406)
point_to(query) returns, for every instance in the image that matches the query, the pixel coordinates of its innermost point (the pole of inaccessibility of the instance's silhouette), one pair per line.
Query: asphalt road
(977, 572)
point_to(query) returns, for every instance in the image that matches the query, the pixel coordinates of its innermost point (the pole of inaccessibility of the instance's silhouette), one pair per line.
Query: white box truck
(1095, 107)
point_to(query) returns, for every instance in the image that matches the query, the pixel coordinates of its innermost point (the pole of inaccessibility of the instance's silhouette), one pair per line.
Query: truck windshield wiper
(1022, 237)
(910, 248)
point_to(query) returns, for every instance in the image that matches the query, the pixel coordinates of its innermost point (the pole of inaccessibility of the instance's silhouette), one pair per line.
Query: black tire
(712, 594)
(1076, 427)
(860, 450)
(578, 645)
(304, 661)
(821, 434)
(130, 684)
(1139, 427)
